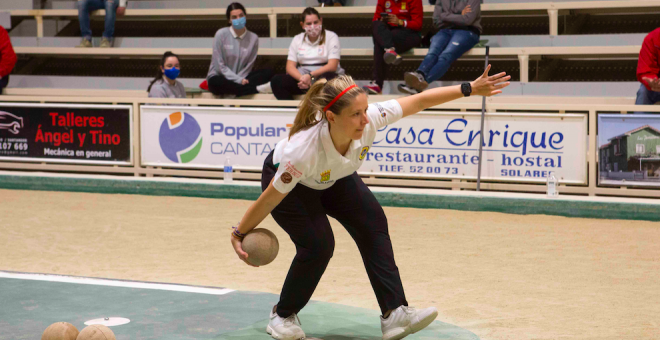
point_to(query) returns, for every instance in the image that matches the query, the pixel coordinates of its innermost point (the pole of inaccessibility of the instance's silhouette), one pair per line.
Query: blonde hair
(321, 94)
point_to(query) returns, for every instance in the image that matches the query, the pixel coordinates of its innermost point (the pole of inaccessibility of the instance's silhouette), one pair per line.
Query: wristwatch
(466, 89)
(312, 78)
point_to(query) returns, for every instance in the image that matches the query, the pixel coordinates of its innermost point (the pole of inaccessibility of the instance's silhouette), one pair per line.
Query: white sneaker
(265, 88)
(285, 328)
(404, 321)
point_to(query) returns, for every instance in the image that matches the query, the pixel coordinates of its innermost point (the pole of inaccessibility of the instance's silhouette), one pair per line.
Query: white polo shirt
(305, 53)
(311, 159)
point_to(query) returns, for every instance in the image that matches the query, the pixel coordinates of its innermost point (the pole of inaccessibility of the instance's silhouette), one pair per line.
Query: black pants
(302, 214)
(3, 83)
(386, 36)
(219, 85)
(285, 86)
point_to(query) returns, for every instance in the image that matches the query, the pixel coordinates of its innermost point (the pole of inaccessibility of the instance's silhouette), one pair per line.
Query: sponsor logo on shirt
(286, 178)
(388, 4)
(403, 6)
(292, 169)
(363, 153)
(325, 176)
(381, 109)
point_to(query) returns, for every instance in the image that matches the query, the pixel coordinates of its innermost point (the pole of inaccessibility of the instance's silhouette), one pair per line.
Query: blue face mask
(239, 23)
(172, 73)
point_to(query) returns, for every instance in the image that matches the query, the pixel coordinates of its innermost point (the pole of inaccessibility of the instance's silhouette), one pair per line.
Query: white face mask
(313, 31)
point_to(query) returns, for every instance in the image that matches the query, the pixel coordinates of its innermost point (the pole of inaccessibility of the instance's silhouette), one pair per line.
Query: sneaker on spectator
(403, 88)
(85, 43)
(285, 328)
(105, 43)
(405, 320)
(391, 57)
(265, 88)
(372, 88)
(415, 80)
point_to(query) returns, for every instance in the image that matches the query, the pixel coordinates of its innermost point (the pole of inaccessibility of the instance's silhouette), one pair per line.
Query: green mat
(28, 307)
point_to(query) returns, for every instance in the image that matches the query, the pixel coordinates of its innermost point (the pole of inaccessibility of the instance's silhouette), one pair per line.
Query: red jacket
(648, 65)
(7, 55)
(411, 11)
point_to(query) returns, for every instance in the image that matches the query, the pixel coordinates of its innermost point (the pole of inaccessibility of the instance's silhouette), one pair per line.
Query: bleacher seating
(541, 64)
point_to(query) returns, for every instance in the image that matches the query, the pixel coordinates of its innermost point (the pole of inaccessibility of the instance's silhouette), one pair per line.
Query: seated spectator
(112, 9)
(234, 53)
(396, 29)
(459, 25)
(7, 58)
(313, 54)
(335, 3)
(165, 84)
(648, 69)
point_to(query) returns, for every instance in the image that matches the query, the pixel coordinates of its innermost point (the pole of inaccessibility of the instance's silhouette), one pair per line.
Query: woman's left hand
(488, 86)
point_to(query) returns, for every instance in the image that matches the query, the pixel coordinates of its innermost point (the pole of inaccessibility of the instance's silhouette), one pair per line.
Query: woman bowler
(331, 135)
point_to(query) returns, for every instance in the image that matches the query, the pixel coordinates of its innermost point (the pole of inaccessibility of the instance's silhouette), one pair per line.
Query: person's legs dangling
(460, 42)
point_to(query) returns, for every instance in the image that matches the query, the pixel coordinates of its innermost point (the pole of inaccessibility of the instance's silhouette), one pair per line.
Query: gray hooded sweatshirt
(447, 14)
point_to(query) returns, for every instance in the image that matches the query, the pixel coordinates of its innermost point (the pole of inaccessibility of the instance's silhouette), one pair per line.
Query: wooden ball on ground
(261, 246)
(96, 332)
(60, 331)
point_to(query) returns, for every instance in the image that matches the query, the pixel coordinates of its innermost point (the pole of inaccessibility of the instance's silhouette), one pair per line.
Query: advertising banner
(517, 147)
(194, 137)
(629, 149)
(66, 133)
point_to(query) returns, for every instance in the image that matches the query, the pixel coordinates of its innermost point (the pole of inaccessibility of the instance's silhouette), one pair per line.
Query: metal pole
(481, 135)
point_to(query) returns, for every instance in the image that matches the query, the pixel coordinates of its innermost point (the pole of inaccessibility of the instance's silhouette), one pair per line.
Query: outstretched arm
(268, 200)
(485, 85)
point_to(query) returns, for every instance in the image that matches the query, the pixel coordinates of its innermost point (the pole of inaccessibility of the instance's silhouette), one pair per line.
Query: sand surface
(500, 276)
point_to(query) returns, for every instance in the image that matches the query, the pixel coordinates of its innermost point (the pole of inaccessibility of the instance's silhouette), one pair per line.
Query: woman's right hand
(238, 248)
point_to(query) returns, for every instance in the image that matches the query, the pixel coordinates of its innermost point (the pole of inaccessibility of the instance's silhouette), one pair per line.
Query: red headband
(338, 96)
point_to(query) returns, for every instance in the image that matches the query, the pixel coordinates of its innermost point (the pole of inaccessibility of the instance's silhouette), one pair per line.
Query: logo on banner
(10, 122)
(180, 137)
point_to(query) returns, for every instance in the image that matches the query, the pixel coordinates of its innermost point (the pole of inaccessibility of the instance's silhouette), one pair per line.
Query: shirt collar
(306, 40)
(330, 151)
(233, 33)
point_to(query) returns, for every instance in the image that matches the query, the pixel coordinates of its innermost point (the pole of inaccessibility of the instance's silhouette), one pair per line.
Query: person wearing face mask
(234, 54)
(165, 84)
(313, 54)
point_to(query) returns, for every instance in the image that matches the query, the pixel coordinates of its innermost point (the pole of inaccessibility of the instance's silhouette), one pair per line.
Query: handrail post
(272, 18)
(524, 68)
(553, 15)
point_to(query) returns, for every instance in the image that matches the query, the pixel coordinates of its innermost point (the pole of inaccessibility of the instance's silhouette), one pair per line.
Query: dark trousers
(303, 215)
(219, 85)
(3, 83)
(386, 36)
(285, 86)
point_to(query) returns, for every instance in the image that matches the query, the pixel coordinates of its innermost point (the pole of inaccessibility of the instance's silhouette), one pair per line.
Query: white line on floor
(115, 283)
